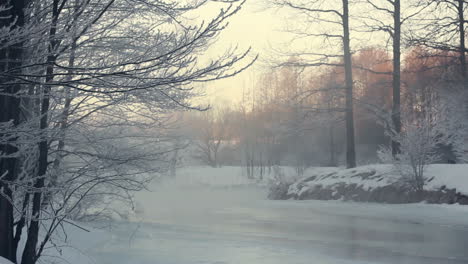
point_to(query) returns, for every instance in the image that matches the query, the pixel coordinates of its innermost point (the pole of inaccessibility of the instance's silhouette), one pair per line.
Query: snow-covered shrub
(418, 148)
(421, 138)
(278, 184)
(278, 174)
(455, 122)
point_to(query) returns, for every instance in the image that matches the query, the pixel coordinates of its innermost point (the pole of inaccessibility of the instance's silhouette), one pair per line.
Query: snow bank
(5, 261)
(366, 177)
(445, 183)
(453, 176)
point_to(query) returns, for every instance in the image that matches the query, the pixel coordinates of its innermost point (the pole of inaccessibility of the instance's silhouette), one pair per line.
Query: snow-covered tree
(86, 90)
(423, 135)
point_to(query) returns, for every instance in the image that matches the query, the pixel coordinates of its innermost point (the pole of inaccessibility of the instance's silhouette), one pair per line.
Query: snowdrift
(378, 183)
(5, 261)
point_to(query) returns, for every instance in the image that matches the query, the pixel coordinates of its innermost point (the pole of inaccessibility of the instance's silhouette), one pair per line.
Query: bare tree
(211, 127)
(392, 9)
(442, 27)
(92, 66)
(331, 20)
(396, 108)
(12, 22)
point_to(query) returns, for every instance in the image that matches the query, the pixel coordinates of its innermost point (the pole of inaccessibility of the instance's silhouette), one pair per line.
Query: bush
(278, 185)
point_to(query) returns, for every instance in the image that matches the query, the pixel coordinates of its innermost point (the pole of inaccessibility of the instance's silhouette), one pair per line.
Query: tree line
(401, 97)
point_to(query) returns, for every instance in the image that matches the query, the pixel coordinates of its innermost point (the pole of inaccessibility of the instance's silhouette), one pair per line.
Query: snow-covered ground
(208, 220)
(452, 176)
(4, 261)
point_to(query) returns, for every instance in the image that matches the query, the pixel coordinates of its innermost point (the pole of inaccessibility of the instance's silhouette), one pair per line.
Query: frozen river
(195, 225)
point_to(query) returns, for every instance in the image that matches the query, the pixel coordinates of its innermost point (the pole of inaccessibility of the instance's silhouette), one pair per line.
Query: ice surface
(231, 222)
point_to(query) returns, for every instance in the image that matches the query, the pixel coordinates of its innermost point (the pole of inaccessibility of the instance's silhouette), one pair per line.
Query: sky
(253, 26)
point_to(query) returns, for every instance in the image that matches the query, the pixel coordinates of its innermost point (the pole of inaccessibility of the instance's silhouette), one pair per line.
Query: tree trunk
(63, 123)
(461, 29)
(10, 60)
(173, 164)
(396, 109)
(462, 56)
(332, 161)
(30, 255)
(350, 143)
(21, 223)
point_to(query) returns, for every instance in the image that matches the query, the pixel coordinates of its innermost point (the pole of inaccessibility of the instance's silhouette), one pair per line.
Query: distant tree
(373, 90)
(443, 27)
(392, 9)
(211, 129)
(431, 76)
(331, 20)
(394, 32)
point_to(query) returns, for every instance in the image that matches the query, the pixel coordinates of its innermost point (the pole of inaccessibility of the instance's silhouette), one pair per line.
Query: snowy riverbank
(377, 183)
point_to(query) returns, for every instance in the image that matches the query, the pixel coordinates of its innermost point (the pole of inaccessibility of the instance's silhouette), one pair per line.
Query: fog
(190, 200)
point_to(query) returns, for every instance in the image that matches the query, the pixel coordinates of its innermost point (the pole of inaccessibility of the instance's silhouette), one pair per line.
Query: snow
(450, 175)
(5, 261)
(71, 244)
(453, 176)
(76, 243)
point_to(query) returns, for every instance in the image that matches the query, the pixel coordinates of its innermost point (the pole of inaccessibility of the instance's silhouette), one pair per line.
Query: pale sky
(256, 27)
